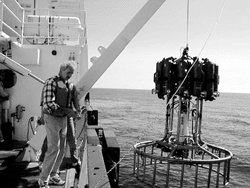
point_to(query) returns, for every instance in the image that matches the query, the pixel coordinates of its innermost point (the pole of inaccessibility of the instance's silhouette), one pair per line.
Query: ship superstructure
(43, 34)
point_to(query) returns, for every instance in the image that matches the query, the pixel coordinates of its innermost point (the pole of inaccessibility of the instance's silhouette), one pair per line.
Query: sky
(166, 33)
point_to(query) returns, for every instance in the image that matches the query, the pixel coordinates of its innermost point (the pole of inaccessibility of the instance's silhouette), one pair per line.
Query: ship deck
(26, 174)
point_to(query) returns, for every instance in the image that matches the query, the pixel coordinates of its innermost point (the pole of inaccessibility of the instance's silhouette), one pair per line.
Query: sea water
(138, 115)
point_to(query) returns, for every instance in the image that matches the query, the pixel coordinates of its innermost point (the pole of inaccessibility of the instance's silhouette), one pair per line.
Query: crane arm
(108, 55)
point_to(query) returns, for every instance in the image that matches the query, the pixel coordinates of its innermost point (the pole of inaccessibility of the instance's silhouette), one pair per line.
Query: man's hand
(56, 106)
(78, 115)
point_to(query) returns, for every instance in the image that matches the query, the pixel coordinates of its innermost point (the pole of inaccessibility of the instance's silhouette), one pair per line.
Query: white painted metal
(101, 64)
(36, 61)
(14, 65)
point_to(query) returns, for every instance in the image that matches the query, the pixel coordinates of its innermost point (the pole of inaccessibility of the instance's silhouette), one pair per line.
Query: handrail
(23, 15)
(18, 5)
(49, 13)
(75, 35)
(1, 17)
(11, 12)
(5, 24)
(3, 7)
(55, 10)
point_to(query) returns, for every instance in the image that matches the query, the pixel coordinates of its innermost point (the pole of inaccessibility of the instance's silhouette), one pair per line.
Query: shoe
(56, 180)
(42, 184)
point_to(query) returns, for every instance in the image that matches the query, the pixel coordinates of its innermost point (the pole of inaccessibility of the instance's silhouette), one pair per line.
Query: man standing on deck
(55, 111)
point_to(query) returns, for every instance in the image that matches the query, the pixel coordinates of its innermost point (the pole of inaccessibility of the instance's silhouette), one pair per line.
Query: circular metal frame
(203, 166)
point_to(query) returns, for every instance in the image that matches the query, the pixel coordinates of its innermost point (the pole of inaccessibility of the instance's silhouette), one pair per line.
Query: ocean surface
(138, 115)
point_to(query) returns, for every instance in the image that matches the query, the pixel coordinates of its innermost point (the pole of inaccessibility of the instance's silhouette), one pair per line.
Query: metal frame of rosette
(181, 158)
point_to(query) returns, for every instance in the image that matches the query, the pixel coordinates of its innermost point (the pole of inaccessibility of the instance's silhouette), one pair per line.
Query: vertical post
(196, 121)
(202, 157)
(172, 115)
(134, 162)
(167, 176)
(182, 174)
(179, 122)
(154, 174)
(144, 167)
(200, 115)
(152, 152)
(228, 170)
(83, 57)
(83, 23)
(161, 156)
(1, 16)
(23, 25)
(48, 29)
(166, 131)
(218, 175)
(209, 174)
(225, 173)
(196, 176)
(138, 165)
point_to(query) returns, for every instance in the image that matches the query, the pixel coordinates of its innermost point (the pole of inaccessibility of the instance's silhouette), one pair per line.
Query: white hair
(68, 63)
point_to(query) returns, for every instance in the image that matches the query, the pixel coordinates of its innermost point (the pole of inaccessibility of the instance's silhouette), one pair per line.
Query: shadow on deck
(22, 174)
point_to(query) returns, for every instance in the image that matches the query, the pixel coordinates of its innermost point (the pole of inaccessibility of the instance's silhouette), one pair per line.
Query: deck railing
(42, 26)
(7, 18)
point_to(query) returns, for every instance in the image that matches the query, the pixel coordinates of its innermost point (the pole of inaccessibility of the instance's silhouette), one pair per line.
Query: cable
(84, 125)
(187, 21)
(199, 52)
